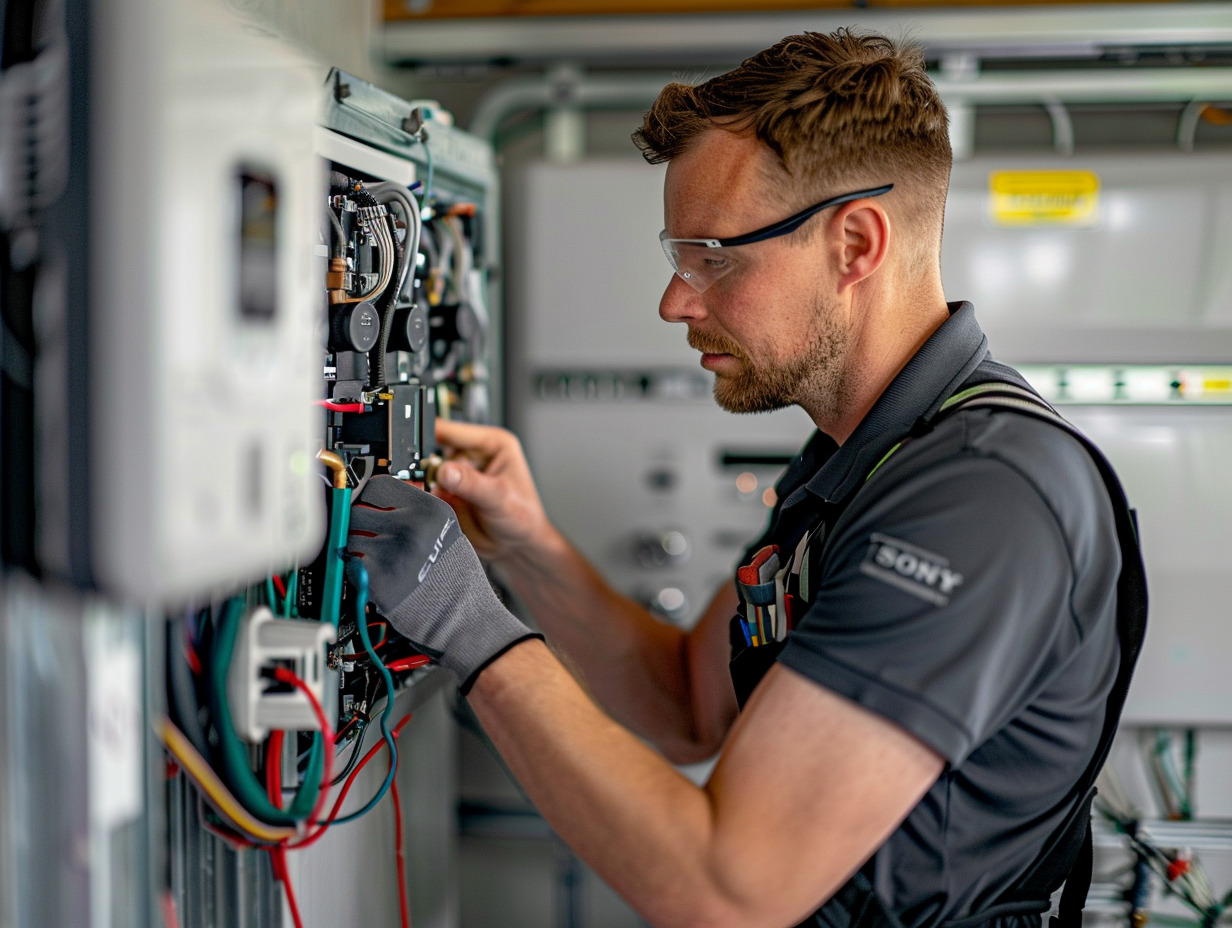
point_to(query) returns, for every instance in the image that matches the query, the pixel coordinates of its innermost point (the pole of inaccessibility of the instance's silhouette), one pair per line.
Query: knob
(669, 602)
(354, 327)
(410, 329)
(661, 550)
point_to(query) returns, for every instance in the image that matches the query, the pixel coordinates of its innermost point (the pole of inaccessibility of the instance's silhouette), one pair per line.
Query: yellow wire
(203, 775)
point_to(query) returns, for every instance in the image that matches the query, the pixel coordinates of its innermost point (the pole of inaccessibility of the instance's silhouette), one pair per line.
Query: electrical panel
(1106, 258)
(293, 675)
(235, 287)
(408, 331)
(159, 293)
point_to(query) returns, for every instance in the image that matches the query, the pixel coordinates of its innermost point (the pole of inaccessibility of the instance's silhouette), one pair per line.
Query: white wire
(387, 191)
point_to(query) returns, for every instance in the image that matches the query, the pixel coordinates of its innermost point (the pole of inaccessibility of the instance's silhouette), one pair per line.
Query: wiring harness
(241, 787)
(1179, 871)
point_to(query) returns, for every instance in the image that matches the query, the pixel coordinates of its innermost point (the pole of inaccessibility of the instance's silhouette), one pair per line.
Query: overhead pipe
(570, 88)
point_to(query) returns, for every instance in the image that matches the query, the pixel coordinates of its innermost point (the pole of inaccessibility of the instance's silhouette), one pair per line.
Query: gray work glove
(424, 576)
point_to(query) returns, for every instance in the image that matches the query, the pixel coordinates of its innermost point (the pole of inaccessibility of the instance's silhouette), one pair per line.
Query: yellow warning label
(1043, 198)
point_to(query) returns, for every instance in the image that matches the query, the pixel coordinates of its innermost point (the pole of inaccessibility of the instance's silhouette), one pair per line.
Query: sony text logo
(913, 570)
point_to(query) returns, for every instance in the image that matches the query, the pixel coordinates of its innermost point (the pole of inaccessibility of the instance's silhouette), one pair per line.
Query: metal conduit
(1047, 89)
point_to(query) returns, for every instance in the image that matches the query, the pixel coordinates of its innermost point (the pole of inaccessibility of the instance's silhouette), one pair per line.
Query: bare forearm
(635, 666)
(619, 805)
(665, 684)
(806, 777)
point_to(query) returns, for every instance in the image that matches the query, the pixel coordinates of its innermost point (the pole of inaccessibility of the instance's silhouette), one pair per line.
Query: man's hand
(488, 483)
(425, 578)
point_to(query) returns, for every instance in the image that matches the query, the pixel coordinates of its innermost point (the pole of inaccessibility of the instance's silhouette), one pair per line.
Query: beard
(814, 378)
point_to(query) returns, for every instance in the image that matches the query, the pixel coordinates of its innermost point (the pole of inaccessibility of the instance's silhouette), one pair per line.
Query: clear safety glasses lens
(699, 262)
(699, 265)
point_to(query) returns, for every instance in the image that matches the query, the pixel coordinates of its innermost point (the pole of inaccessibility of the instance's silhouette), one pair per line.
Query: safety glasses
(699, 262)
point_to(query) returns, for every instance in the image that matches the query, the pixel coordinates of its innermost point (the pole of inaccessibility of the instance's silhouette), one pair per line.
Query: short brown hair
(832, 108)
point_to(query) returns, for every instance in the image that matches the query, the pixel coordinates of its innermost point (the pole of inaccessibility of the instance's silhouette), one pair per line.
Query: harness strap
(1078, 883)
(1067, 854)
(1069, 851)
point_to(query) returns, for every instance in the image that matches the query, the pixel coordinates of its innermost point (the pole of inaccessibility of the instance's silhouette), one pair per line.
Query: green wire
(1167, 764)
(1191, 756)
(240, 778)
(291, 607)
(358, 576)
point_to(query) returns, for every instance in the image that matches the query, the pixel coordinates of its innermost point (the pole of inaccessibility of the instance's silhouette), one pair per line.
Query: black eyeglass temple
(791, 223)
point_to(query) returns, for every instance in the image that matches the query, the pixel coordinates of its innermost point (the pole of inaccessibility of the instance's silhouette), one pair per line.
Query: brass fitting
(335, 280)
(335, 464)
(431, 464)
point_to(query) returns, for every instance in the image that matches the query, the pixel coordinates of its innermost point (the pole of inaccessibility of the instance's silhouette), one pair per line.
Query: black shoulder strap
(1067, 854)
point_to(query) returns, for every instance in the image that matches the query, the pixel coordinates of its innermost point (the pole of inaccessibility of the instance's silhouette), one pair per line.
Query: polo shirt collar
(932, 375)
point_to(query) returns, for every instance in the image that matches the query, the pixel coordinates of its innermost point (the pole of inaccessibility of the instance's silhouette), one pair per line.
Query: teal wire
(339, 525)
(358, 575)
(270, 594)
(290, 609)
(1167, 762)
(1191, 756)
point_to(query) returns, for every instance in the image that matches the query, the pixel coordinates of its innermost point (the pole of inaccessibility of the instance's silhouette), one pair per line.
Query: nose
(680, 302)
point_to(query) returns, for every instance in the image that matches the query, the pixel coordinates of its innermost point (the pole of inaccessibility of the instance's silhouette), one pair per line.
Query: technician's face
(769, 327)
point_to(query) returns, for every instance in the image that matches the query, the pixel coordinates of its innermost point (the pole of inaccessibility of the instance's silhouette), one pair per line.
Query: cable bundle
(247, 810)
(1180, 872)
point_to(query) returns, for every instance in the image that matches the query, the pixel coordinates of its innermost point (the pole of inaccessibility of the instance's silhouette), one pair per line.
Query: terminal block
(259, 705)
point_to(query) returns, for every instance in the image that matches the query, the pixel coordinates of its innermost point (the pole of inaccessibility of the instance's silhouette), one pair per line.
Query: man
(929, 652)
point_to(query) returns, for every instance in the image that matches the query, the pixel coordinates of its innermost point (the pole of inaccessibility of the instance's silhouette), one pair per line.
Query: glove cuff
(454, 613)
(465, 688)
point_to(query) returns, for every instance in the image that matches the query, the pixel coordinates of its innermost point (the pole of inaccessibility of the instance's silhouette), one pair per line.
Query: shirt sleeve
(944, 600)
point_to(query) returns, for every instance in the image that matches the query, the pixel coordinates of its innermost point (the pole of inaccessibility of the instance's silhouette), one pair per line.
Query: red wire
(280, 586)
(273, 768)
(166, 904)
(284, 675)
(403, 908)
(408, 663)
(230, 838)
(343, 407)
(278, 853)
(346, 787)
(342, 732)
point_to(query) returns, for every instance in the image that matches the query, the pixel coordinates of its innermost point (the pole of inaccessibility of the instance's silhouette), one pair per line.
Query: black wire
(181, 688)
(354, 758)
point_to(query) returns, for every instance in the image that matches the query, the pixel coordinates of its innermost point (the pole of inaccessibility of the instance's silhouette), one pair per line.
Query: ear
(860, 231)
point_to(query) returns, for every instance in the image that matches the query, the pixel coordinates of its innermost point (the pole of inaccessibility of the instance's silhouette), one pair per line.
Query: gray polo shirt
(967, 593)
